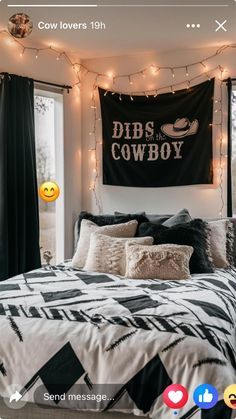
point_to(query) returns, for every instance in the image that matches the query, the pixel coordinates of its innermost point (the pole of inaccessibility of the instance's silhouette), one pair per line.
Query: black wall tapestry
(158, 141)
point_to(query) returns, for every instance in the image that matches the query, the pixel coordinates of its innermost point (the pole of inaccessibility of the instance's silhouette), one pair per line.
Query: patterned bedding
(61, 328)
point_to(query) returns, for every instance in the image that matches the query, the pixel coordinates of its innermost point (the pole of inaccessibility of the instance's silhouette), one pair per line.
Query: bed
(126, 339)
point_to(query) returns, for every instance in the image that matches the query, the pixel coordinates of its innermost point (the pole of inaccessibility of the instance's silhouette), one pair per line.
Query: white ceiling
(129, 30)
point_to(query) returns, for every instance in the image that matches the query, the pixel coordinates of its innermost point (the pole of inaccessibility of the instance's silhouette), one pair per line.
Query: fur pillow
(88, 227)
(107, 254)
(222, 239)
(166, 261)
(195, 234)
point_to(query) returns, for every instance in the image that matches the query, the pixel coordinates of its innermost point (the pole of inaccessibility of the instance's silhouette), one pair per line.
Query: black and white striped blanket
(62, 327)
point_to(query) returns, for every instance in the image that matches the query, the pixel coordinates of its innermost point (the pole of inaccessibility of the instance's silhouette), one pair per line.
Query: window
(234, 150)
(49, 159)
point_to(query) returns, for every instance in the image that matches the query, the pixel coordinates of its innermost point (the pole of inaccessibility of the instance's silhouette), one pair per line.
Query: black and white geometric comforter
(69, 327)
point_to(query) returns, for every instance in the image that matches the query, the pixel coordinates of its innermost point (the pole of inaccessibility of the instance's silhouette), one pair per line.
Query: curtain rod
(62, 86)
(228, 80)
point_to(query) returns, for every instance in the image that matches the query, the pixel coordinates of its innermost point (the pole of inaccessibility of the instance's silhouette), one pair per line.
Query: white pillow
(107, 254)
(221, 239)
(88, 227)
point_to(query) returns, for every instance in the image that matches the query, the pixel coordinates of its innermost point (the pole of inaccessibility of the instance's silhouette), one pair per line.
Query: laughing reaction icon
(49, 191)
(230, 396)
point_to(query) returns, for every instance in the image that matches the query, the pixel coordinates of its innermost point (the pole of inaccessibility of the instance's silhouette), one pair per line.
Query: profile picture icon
(20, 25)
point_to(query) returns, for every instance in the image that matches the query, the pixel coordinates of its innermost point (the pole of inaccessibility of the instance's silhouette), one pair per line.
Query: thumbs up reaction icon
(205, 396)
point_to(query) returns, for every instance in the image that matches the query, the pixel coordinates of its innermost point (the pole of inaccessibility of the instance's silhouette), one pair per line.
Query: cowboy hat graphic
(181, 128)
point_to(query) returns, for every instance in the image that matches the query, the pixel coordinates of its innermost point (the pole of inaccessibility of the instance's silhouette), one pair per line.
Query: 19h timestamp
(97, 25)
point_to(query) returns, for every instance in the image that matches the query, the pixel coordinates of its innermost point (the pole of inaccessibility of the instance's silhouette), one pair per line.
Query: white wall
(73, 168)
(201, 200)
(47, 68)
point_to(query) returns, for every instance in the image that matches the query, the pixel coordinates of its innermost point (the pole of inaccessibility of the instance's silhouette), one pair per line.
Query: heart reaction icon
(175, 396)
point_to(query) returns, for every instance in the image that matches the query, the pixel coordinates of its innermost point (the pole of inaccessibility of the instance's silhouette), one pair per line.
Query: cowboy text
(149, 152)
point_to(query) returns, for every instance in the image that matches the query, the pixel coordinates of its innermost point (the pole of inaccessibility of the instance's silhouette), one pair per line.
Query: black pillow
(125, 213)
(102, 220)
(194, 233)
(182, 216)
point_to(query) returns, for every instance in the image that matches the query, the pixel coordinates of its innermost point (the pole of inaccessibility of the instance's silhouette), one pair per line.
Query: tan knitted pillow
(107, 254)
(165, 261)
(88, 227)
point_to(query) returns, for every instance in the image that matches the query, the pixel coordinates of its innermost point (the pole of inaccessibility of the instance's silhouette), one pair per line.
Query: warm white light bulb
(110, 74)
(155, 70)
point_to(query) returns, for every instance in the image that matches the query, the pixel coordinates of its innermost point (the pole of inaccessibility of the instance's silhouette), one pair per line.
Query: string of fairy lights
(81, 70)
(113, 81)
(94, 151)
(221, 152)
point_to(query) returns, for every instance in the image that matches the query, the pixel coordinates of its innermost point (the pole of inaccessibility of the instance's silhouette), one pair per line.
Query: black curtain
(19, 217)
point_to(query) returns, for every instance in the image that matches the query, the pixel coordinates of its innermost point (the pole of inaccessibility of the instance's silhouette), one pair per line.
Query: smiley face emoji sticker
(49, 191)
(230, 396)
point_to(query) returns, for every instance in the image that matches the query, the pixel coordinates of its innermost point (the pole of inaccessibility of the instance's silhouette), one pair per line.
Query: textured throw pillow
(222, 241)
(195, 234)
(181, 217)
(166, 261)
(88, 227)
(107, 254)
(103, 220)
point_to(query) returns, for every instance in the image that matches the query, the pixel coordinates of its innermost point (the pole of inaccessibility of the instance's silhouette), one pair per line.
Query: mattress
(68, 333)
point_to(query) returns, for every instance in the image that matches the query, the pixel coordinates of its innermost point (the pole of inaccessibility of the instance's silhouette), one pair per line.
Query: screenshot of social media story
(118, 209)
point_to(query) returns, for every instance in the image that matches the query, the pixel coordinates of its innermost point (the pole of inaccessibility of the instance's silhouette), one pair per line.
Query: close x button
(220, 26)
